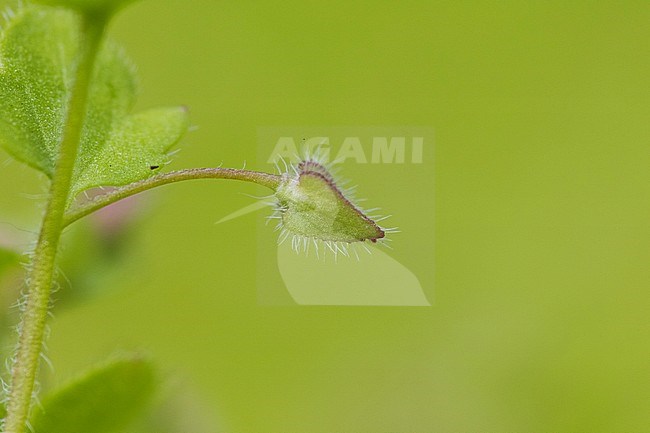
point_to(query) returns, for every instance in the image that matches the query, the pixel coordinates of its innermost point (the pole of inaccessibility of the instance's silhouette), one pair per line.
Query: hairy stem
(265, 179)
(39, 283)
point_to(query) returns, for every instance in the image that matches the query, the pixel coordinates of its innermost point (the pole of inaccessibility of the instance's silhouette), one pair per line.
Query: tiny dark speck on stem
(153, 167)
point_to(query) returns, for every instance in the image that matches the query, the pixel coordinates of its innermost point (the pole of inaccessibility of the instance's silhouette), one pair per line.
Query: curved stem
(32, 324)
(265, 179)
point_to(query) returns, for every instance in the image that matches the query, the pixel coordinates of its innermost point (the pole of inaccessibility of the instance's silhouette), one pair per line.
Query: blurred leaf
(8, 259)
(178, 409)
(97, 253)
(103, 401)
(38, 53)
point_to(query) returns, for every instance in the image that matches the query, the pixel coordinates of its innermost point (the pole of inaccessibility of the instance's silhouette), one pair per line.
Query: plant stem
(265, 179)
(39, 283)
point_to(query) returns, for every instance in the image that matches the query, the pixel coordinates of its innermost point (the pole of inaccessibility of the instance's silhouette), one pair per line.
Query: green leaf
(136, 148)
(104, 400)
(111, 96)
(37, 50)
(38, 53)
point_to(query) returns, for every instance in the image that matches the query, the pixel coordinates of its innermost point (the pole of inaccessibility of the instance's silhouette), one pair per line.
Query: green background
(538, 218)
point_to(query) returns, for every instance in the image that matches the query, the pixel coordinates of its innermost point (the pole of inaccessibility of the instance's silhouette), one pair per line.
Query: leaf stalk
(265, 179)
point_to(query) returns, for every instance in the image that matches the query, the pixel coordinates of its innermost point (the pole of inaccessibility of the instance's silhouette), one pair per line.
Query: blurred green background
(540, 225)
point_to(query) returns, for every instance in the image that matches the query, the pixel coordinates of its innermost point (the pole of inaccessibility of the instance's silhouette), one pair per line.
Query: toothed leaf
(103, 401)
